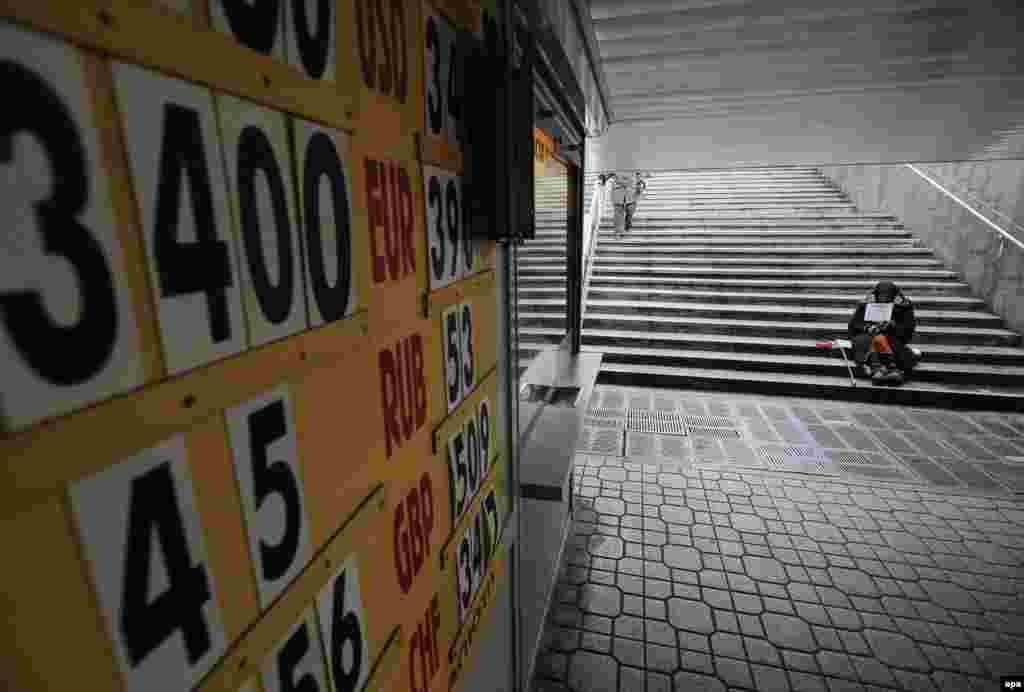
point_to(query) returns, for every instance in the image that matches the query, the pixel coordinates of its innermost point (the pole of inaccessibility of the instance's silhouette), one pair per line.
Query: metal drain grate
(606, 414)
(859, 458)
(661, 422)
(710, 422)
(719, 433)
(615, 423)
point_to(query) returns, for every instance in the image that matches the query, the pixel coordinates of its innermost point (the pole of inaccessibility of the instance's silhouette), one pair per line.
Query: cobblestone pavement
(693, 572)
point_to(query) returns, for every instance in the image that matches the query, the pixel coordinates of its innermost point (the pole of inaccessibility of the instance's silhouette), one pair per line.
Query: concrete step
(818, 386)
(843, 299)
(786, 327)
(656, 187)
(727, 176)
(652, 216)
(675, 226)
(825, 363)
(745, 345)
(529, 293)
(915, 288)
(797, 273)
(738, 251)
(652, 207)
(712, 244)
(798, 313)
(712, 235)
(672, 192)
(610, 261)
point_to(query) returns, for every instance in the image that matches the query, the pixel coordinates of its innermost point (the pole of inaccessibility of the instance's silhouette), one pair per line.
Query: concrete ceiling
(697, 83)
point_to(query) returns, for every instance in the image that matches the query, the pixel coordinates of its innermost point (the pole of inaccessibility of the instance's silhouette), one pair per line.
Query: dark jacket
(903, 319)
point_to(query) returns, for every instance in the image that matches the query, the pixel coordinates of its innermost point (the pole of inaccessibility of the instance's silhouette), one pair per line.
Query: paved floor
(768, 559)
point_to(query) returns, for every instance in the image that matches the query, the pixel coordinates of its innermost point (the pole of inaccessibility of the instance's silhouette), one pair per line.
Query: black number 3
(62, 355)
(435, 111)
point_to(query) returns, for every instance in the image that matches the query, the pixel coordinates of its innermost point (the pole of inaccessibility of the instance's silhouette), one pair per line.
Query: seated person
(880, 349)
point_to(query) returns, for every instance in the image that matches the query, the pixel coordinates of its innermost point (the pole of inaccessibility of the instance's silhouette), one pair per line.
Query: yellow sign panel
(475, 540)
(388, 194)
(291, 480)
(461, 650)
(387, 35)
(468, 349)
(466, 446)
(426, 633)
(415, 536)
(341, 445)
(347, 585)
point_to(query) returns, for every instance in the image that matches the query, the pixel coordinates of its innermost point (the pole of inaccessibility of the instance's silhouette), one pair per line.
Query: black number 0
(322, 160)
(255, 24)
(255, 153)
(313, 48)
(73, 354)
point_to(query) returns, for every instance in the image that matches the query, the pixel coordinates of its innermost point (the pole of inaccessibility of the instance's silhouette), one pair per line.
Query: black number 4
(146, 624)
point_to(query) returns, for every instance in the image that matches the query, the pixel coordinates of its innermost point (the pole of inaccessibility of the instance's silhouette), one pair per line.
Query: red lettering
(403, 557)
(423, 649)
(414, 522)
(391, 235)
(403, 391)
(391, 214)
(389, 394)
(416, 530)
(427, 505)
(405, 222)
(377, 213)
(410, 386)
(383, 27)
(419, 380)
(401, 387)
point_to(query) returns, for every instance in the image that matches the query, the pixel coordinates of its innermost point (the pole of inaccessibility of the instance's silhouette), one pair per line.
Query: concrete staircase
(728, 278)
(542, 270)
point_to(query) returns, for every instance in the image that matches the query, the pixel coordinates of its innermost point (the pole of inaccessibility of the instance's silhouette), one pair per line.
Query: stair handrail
(591, 225)
(988, 222)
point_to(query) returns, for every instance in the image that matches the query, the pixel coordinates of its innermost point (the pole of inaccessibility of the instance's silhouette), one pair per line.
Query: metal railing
(1006, 235)
(591, 226)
